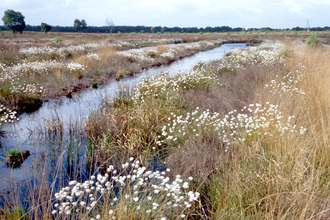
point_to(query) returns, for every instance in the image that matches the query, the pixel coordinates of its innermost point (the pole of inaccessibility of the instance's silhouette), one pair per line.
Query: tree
(163, 29)
(110, 24)
(83, 24)
(14, 21)
(45, 27)
(308, 23)
(152, 29)
(77, 25)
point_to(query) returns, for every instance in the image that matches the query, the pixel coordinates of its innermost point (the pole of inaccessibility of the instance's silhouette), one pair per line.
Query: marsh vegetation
(35, 70)
(244, 137)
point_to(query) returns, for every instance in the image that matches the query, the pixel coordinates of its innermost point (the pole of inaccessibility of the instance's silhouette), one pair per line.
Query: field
(244, 137)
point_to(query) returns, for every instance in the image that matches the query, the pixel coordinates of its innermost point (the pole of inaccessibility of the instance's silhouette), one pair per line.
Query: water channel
(27, 133)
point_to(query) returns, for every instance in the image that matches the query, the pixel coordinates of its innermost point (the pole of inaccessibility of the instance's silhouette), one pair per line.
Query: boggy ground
(42, 70)
(35, 69)
(245, 137)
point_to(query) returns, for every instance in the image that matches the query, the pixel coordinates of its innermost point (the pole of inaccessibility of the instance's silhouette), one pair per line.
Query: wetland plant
(129, 192)
(13, 153)
(15, 158)
(95, 85)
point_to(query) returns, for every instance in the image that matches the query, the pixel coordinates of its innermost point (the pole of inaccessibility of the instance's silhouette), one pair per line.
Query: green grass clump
(58, 40)
(94, 85)
(287, 53)
(14, 213)
(13, 153)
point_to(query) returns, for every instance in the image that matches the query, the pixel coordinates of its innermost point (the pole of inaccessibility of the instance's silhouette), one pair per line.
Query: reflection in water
(53, 133)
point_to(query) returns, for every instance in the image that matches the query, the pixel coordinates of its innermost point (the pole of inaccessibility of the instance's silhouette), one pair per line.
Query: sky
(171, 13)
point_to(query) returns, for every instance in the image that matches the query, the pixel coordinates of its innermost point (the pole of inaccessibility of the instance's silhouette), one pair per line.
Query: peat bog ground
(243, 137)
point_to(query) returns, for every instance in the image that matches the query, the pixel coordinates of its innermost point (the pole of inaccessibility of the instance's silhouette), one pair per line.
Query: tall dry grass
(283, 176)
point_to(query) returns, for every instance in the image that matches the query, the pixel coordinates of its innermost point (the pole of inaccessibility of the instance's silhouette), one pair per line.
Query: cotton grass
(132, 190)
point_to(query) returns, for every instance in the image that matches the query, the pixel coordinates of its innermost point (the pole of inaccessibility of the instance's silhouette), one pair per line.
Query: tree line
(148, 29)
(14, 21)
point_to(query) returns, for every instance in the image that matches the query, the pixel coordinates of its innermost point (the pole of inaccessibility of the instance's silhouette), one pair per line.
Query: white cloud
(67, 2)
(294, 7)
(10, 3)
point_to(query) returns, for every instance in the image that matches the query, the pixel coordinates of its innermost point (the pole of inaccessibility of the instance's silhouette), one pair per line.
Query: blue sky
(170, 13)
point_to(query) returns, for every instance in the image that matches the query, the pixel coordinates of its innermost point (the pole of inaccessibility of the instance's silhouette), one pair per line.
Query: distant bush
(58, 40)
(313, 41)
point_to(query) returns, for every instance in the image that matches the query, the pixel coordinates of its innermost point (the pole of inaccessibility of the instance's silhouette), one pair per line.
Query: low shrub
(58, 40)
(313, 41)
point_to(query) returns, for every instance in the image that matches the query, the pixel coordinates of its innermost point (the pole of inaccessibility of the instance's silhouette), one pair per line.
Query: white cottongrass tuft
(6, 115)
(253, 121)
(75, 67)
(135, 186)
(267, 53)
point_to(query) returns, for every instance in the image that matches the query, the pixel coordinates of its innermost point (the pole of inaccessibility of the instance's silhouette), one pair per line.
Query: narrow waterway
(27, 133)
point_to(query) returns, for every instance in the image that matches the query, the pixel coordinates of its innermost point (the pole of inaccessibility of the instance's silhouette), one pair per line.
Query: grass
(52, 67)
(94, 85)
(251, 130)
(282, 176)
(18, 213)
(141, 124)
(58, 40)
(313, 41)
(277, 171)
(53, 80)
(13, 153)
(132, 192)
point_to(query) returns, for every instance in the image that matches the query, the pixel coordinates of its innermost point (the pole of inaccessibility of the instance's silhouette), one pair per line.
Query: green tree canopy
(83, 24)
(14, 21)
(76, 25)
(79, 25)
(45, 27)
